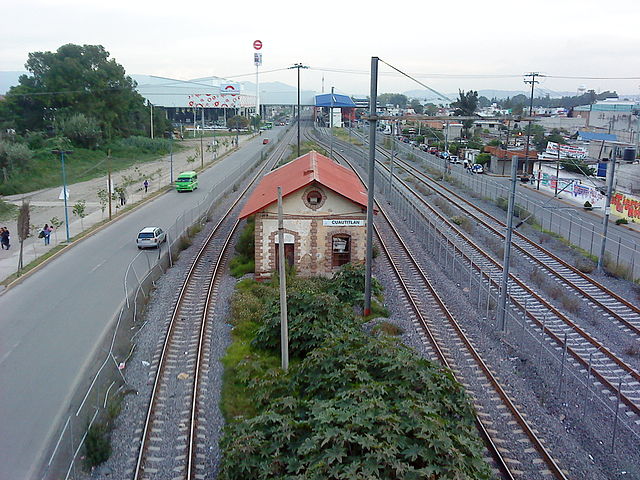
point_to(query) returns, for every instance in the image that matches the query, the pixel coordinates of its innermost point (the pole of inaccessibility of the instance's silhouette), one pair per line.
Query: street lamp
(64, 188)
(298, 66)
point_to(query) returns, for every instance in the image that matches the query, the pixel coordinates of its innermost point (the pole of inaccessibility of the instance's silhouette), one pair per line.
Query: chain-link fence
(106, 380)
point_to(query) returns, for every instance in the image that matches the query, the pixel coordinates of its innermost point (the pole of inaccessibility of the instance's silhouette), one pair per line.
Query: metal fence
(106, 377)
(622, 253)
(563, 387)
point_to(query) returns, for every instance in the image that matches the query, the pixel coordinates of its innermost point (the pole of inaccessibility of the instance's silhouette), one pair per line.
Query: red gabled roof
(301, 172)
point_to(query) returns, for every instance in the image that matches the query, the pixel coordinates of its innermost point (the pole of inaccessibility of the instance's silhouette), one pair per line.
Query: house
(324, 209)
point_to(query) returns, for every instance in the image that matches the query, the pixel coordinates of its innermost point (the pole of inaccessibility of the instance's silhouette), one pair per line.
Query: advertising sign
(566, 151)
(257, 59)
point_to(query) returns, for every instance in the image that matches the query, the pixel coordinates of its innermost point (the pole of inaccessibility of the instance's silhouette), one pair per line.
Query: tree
(237, 122)
(430, 109)
(256, 120)
(80, 129)
(76, 79)
(417, 106)
(24, 216)
(466, 106)
(393, 99)
(80, 210)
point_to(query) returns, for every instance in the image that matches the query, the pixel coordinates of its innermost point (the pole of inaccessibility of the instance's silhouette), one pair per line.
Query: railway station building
(324, 211)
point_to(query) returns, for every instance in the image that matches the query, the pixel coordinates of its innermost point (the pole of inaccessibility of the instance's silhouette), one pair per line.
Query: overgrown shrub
(312, 318)
(348, 284)
(81, 130)
(97, 444)
(358, 407)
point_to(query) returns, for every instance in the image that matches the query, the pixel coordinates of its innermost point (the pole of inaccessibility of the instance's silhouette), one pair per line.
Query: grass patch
(244, 261)
(444, 206)
(44, 169)
(8, 211)
(463, 222)
(387, 328)
(585, 265)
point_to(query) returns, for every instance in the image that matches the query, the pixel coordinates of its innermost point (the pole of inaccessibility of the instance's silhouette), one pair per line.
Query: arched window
(340, 250)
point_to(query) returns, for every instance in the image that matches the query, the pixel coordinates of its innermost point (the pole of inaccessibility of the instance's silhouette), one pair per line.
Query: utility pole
(109, 180)
(201, 140)
(373, 120)
(284, 328)
(502, 308)
(151, 113)
(557, 172)
(607, 209)
(533, 82)
(298, 66)
(331, 126)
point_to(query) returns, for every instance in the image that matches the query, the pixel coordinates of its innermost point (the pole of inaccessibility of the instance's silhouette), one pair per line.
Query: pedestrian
(146, 185)
(5, 238)
(1, 242)
(123, 198)
(46, 233)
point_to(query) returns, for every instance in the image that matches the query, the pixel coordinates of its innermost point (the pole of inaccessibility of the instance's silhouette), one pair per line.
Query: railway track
(515, 452)
(179, 386)
(616, 377)
(587, 351)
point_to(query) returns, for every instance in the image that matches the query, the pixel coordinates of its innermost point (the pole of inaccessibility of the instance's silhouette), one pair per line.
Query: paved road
(52, 322)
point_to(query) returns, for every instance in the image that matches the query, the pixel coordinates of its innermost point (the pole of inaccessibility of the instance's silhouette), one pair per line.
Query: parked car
(265, 141)
(477, 168)
(150, 237)
(454, 159)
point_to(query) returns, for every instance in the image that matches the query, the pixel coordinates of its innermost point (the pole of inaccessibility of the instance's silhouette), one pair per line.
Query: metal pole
(108, 181)
(298, 110)
(284, 333)
(65, 195)
(171, 158)
(607, 211)
(151, 113)
(393, 141)
(201, 140)
(331, 125)
(373, 119)
(507, 247)
(533, 82)
(557, 172)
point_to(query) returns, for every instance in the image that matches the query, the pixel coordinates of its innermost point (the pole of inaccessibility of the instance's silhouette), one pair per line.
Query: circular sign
(257, 44)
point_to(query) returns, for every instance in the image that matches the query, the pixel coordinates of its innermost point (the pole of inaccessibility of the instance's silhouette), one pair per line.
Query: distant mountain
(8, 80)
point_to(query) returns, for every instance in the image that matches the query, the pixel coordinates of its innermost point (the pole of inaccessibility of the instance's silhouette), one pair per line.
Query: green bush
(348, 284)
(358, 407)
(97, 444)
(622, 221)
(312, 319)
(81, 130)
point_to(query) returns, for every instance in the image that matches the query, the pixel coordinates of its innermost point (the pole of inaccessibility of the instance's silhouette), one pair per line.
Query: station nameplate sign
(343, 223)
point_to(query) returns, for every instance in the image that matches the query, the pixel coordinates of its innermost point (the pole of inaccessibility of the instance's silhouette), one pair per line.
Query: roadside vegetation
(305, 147)
(352, 404)
(244, 260)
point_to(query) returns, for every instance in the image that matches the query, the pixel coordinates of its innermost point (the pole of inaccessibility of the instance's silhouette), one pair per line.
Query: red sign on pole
(257, 44)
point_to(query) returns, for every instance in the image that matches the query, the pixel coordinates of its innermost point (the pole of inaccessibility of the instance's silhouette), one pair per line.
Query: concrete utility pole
(65, 192)
(502, 308)
(373, 120)
(607, 210)
(109, 180)
(533, 82)
(284, 328)
(298, 66)
(151, 117)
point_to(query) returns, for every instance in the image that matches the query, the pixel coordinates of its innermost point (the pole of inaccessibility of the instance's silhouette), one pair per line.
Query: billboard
(566, 151)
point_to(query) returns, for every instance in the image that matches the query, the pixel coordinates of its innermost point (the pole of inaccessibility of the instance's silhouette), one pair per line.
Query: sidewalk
(45, 204)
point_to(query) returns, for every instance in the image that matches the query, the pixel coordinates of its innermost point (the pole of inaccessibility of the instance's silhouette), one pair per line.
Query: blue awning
(607, 137)
(338, 101)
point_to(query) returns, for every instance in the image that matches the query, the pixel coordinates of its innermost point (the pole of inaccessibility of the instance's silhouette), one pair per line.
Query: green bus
(187, 181)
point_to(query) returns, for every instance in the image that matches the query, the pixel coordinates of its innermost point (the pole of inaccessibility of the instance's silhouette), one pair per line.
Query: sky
(447, 45)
